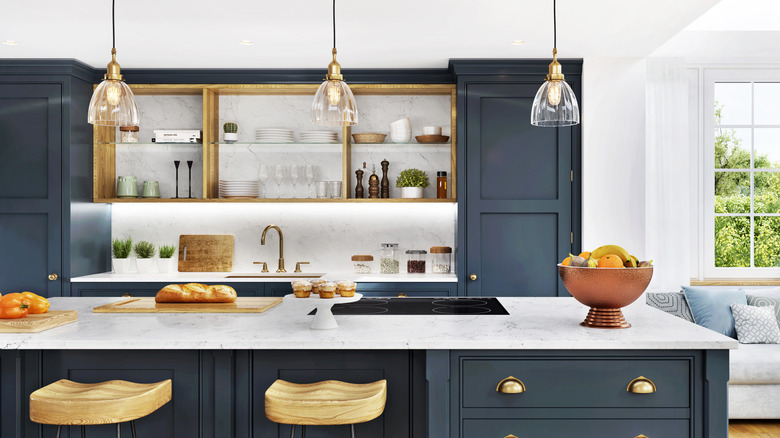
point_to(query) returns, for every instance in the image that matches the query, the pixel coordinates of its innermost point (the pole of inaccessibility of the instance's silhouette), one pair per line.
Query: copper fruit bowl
(605, 291)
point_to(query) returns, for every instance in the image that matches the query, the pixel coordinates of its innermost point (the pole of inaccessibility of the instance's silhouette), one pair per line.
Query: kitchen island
(442, 371)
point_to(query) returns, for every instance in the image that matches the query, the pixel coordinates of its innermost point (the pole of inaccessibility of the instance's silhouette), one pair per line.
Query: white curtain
(667, 194)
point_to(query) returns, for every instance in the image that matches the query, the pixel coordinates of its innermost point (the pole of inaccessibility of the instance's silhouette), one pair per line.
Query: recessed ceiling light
(246, 42)
(517, 42)
(10, 42)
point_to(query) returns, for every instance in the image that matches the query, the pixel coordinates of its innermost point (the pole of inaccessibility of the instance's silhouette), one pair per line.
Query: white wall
(613, 153)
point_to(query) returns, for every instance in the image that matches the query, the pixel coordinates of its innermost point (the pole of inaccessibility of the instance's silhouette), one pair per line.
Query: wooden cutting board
(206, 253)
(147, 305)
(39, 322)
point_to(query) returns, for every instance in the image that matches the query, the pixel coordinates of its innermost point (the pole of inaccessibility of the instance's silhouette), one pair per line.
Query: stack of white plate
(318, 137)
(274, 135)
(239, 189)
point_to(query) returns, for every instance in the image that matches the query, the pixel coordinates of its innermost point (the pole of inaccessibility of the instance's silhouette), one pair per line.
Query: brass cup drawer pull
(641, 385)
(510, 385)
(512, 436)
(641, 436)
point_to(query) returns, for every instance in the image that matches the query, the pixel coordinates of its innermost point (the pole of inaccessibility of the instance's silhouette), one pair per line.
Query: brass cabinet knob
(126, 294)
(473, 276)
(53, 277)
(510, 385)
(641, 385)
(402, 295)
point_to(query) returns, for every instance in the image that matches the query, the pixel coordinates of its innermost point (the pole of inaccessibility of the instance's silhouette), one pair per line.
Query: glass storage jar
(441, 259)
(362, 264)
(388, 260)
(128, 134)
(415, 262)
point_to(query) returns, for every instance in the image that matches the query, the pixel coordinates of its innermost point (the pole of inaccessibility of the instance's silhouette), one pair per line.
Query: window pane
(767, 97)
(732, 148)
(732, 242)
(767, 192)
(732, 192)
(767, 148)
(767, 243)
(733, 100)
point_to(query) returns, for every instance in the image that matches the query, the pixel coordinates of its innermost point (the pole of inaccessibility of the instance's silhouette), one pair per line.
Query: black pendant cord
(555, 27)
(113, 25)
(334, 24)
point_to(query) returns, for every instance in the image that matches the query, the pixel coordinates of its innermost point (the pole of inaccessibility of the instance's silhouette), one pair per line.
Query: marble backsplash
(327, 235)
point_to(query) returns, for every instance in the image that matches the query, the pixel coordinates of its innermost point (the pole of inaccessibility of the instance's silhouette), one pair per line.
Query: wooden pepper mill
(373, 184)
(385, 181)
(359, 186)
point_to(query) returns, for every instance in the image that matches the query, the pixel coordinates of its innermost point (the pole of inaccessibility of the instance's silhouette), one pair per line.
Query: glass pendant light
(113, 103)
(555, 103)
(334, 104)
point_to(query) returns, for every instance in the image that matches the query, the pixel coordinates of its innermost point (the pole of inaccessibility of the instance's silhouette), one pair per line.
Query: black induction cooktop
(421, 306)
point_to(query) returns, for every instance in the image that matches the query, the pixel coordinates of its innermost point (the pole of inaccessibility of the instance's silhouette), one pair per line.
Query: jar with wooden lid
(128, 134)
(441, 259)
(362, 264)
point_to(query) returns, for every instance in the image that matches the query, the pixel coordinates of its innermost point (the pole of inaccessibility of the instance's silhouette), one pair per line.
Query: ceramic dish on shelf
(432, 138)
(318, 137)
(369, 137)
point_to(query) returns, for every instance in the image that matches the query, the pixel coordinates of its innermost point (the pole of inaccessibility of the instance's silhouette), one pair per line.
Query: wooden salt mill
(385, 181)
(373, 184)
(359, 186)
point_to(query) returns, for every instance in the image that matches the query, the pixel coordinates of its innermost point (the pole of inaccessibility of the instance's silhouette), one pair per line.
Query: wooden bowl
(605, 291)
(369, 137)
(432, 138)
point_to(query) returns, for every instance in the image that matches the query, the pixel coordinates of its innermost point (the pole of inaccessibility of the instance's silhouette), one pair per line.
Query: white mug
(432, 130)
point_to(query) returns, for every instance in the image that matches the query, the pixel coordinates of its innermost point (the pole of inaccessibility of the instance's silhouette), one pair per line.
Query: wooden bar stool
(330, 402)
(67, 403)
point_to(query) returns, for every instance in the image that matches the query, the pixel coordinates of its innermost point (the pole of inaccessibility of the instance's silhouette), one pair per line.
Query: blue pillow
(711, 308)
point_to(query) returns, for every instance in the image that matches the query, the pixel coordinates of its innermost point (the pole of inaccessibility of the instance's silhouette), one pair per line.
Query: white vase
(146, 266)
(120, 266)
(411, 192)
(166, 265)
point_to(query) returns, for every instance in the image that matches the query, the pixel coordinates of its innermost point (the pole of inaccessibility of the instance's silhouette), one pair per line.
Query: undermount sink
(279, 275)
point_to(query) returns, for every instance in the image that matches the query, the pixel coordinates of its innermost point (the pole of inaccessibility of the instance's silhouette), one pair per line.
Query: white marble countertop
(532, 324)
(214, 277)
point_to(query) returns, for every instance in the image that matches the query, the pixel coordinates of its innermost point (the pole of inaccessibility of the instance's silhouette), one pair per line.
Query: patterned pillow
(670, 302)
(758, 301)
(756, 325)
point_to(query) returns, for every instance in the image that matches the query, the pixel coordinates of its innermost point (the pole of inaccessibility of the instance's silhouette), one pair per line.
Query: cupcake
(346, 288)
(301, 288)
(327, 290)
(315, 285)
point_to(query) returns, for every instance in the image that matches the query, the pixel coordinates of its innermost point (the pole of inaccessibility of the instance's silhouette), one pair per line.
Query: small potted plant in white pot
(120, 251)
(412, 182)
(145, 251)
(231, 132)
(165, 262)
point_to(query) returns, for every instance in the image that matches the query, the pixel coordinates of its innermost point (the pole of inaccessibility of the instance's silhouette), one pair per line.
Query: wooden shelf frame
(104, 138)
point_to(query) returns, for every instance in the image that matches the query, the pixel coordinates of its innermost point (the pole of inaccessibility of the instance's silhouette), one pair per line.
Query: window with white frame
(742, 174)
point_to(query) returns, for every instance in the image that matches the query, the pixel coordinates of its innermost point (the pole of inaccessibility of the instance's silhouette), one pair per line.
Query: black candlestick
(189, 164)
(176, 163)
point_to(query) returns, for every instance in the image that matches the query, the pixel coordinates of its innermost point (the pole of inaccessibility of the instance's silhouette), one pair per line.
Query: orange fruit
(585, 255)
(566, 261)
(611, 261)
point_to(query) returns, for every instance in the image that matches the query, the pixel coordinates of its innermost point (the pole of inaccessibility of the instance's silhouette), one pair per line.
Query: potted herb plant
(165, 262)
(120, 251)
(231, 132)
(145, 251)
(412, 182)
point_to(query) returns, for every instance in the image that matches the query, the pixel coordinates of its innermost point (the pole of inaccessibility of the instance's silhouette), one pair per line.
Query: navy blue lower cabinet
(580, 428)
(116, 289)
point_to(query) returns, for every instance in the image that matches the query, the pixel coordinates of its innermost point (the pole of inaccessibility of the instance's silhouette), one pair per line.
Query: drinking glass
(309, 175)
(279, 177)
(294, 175)
(263, 175)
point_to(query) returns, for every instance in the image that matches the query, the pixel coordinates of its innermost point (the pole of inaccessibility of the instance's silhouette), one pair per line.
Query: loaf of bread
(196, 293)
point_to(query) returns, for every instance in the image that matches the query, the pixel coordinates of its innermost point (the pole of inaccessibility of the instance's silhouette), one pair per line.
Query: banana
(610, 249)
(592, 263)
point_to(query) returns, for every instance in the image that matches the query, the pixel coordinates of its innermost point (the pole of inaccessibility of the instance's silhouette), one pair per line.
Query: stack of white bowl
(239, 189)
(318, 137)
(274, 135)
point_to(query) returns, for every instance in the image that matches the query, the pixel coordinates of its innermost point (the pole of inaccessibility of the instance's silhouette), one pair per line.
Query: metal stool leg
(352, 430)
(132, 428)
(303, 431)
(83, 432)
(59, 429)
(292, 431)
(118, 430)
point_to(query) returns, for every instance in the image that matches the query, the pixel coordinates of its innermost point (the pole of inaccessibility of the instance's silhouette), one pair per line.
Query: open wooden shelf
(276, 200)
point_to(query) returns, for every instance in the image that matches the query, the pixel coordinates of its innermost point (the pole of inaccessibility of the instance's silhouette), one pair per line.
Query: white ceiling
(371, 33)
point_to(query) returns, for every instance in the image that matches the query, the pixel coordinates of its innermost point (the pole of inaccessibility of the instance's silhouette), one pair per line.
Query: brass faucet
(281, 245)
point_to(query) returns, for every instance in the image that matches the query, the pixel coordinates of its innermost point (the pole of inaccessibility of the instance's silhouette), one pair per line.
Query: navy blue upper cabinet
(520, 212)
(48, 224)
